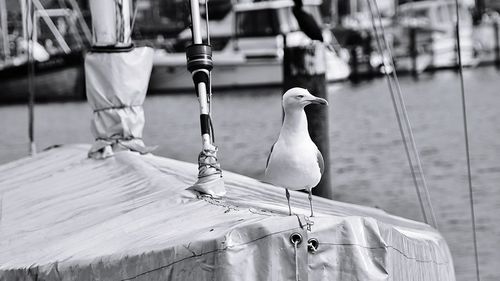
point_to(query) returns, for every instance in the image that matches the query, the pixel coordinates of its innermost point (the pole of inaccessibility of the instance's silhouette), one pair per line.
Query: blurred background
(368, 162)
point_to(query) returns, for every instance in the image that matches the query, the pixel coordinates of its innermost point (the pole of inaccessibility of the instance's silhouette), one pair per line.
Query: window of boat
(288, 22)
(420, 13)
(257, 23)
(444, 14)
(464, 14)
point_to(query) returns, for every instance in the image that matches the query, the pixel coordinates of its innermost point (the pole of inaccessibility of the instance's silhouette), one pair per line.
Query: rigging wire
(381, 46)
(407, 121)
(31, 76)
(466, 137)
(136, 9)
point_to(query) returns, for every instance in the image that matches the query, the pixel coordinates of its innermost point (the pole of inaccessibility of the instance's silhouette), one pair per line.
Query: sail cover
(116, 84)
(65, 216)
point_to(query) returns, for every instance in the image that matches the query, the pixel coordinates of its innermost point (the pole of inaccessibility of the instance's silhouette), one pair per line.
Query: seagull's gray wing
(269, 156)
(321, 162)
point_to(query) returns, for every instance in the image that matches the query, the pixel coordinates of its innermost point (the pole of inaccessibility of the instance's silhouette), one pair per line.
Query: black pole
(497, 44)
(413, 51)
(200, 64)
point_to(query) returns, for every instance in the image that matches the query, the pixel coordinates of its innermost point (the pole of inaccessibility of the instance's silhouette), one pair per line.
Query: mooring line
(466, 137)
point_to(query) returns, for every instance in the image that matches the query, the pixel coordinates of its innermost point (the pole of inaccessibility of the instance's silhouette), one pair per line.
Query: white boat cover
(65, 216)
(116, 87)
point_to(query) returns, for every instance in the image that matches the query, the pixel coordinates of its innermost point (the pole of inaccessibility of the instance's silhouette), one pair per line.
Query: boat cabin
(263, 28)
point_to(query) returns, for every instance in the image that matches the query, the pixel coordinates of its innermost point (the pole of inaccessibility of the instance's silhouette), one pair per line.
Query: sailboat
(114, 211)
(58, 41)
(427, 36)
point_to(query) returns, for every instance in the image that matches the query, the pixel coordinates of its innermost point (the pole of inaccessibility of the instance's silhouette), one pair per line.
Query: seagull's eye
(300, 96)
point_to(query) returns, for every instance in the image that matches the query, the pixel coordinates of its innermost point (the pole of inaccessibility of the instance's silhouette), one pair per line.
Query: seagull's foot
(310, 202)
(287, 193)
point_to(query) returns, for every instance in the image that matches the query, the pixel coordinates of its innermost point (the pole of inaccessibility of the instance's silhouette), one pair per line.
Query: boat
(426, 37)
(115, 211)
(57, 57)
(356, 34)
(131, 217)
(246, 53)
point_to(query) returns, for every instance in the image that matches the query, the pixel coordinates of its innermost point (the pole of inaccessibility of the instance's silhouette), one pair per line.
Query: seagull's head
(298, 98)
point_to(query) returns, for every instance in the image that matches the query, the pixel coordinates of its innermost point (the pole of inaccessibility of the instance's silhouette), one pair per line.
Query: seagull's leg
(288, 199)
(311, 202)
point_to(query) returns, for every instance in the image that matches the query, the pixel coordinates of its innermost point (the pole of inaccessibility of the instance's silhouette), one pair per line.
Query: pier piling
(497, 44)
(413, 51)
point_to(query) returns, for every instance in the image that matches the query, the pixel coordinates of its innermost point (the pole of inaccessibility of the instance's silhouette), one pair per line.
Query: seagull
(295, 162)
(306, 22)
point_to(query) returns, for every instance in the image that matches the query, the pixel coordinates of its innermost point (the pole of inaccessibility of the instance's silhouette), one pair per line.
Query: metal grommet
(312, 245)
(296, 238)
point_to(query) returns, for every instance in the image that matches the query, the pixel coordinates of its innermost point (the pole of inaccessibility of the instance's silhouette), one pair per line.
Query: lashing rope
(466, 137)
(295, 245)
(296, 240)
(381, 46)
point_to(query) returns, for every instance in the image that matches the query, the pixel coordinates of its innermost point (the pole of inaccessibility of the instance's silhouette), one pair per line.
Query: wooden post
(433, 55)
(354, 64)
(457, 51)
(413, 50)
(497, 43)
(305, 66)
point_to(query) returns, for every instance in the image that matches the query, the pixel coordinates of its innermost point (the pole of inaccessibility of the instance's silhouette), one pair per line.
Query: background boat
(425, 36)
(248, 46)
(59, 38)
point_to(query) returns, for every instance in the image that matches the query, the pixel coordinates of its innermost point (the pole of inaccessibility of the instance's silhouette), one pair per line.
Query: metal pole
(83, 24)
(31, 75)
(5, 31)
(195, 21)
(200, 64)
(22, 4)
(52, 27)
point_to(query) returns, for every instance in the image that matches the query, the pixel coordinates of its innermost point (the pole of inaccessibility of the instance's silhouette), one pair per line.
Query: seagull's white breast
(293, 164)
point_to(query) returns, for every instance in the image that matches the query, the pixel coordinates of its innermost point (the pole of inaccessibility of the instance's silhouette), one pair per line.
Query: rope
(116, 107)
(295, 244)
(466, 135)
(404, 111)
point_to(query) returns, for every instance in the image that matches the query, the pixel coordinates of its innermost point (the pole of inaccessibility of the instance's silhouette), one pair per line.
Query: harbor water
(367, 156)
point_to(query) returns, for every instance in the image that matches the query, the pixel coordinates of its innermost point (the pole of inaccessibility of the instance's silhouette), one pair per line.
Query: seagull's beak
(317, 100)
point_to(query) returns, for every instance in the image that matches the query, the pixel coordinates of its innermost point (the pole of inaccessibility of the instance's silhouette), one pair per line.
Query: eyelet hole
(296, 238)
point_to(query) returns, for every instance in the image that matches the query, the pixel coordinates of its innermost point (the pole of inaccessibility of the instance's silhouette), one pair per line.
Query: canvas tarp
(129, 217)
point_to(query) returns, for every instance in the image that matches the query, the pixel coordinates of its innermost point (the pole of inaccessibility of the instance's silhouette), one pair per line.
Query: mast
(5, 31)
(200, 64)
